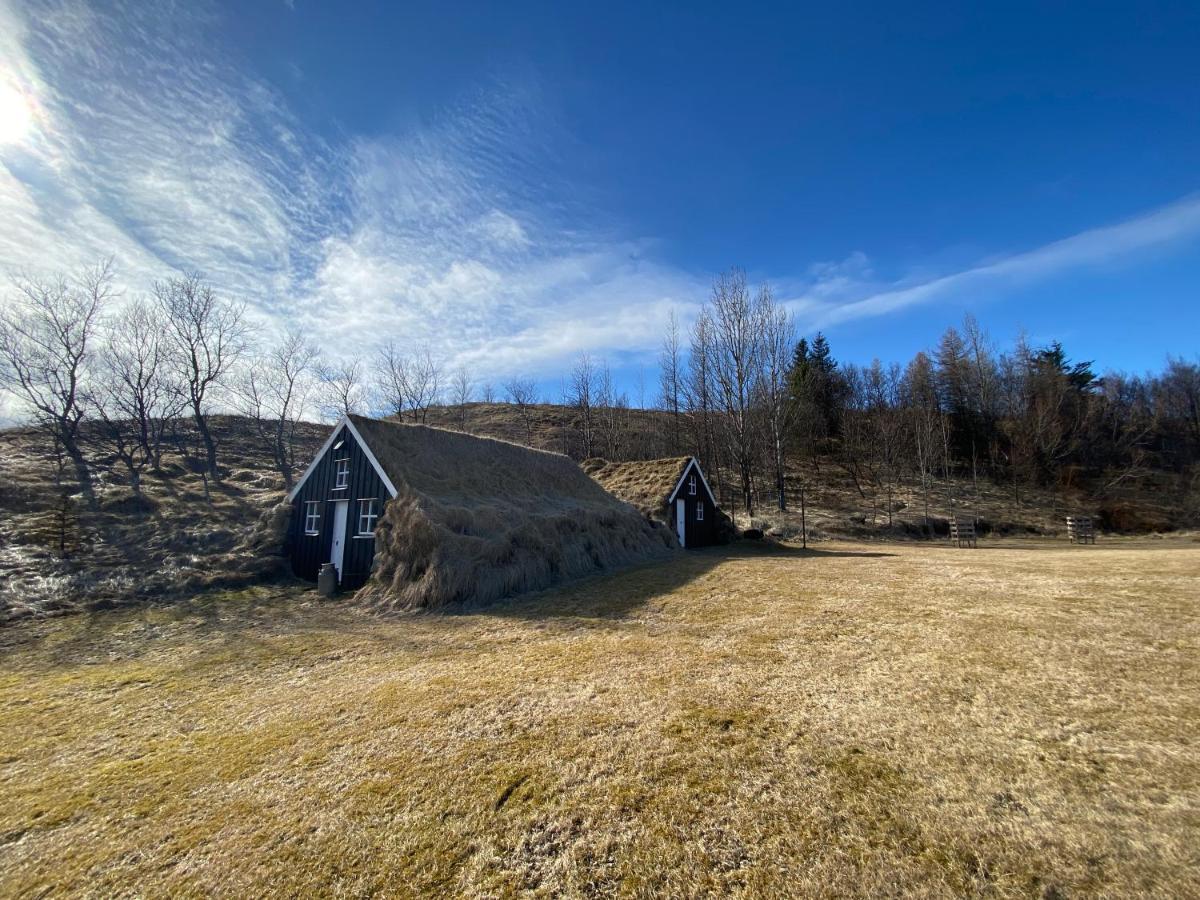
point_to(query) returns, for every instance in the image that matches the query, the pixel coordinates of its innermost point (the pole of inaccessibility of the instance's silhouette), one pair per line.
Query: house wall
(308, 552)
(702, 533)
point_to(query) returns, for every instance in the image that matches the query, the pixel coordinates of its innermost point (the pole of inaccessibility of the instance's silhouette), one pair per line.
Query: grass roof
(646, 484)
(476, 519)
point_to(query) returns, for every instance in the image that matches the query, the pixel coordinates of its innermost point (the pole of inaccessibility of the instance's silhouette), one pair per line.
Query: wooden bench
(962, 534)
(1080, 530)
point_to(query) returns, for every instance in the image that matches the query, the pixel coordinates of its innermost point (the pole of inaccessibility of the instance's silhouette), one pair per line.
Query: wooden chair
(962, 534)
(1080, 530)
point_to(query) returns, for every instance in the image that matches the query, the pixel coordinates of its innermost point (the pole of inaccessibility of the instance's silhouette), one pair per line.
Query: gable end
(343, 422)
(693, 465)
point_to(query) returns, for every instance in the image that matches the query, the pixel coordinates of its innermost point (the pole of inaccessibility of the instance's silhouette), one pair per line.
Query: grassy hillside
(57, 558)
(886, 720)
(836, 507)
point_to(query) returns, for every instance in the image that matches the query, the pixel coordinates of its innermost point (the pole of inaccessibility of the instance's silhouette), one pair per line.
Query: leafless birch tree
(344, 387)
(208, 337)
(47, 337)
(778, 337)
(136, 397)
(273, 395)
(737, 357)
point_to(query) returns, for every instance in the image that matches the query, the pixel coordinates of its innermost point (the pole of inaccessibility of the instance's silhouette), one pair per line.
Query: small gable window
(312, 517)
(341, 474)
(699, 512)
(368, 512)
(692, 485)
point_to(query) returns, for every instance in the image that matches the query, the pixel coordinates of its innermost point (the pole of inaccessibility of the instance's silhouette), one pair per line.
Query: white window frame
(692, 485)
(312, 517)
(372, 515)
(700, 512)
(341, 474)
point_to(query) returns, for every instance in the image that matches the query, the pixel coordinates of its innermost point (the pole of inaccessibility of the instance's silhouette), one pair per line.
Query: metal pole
(803, 522)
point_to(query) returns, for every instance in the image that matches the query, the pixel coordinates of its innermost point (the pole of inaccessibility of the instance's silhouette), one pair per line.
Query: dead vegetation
(644, 483)
(476, 520)
(180, 535)
(183, 534)
(857, 720)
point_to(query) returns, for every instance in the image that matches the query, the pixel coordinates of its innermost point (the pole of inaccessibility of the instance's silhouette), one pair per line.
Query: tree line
(761, 407)
(750, 398)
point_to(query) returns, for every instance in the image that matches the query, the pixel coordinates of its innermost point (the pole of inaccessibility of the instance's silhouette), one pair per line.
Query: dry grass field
(862, 719)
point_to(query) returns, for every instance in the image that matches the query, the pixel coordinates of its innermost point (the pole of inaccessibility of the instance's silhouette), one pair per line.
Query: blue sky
(513, 184)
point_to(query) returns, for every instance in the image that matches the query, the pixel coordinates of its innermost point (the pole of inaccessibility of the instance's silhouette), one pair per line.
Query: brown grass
(643, 483)
(477, 520)
(1012, 721)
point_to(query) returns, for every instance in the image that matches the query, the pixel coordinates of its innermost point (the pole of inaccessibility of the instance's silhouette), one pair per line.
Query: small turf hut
(419, 517)
(671, 491)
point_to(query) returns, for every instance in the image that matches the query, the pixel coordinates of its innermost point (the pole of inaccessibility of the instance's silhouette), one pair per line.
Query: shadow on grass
(621, 593)
(251, 620)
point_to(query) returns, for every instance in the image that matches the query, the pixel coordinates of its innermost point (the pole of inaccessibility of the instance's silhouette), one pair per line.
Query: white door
(338, 548)
(680, 521)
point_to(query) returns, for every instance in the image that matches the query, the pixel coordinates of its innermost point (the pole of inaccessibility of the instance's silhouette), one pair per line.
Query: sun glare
(16, 114)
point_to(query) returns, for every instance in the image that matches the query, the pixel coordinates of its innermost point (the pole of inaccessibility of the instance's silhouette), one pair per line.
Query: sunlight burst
(16, 114)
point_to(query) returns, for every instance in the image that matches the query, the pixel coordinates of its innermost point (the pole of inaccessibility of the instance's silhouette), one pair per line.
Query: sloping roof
(646, 484)
(475, 519)
(447, 466)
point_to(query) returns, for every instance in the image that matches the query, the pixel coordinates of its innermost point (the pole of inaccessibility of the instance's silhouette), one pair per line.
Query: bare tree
(424, 383)
(208, 337)
(487, 393)
(610, 408)
(46, 348)
(407, 384)
(522, 392)
(461, 390)
(670, 366)
(391, 380)
(581, 392)
(737, 358)
(699, 393)
(273, 394)
(925, 419)
(135, 397)
(886, 424)
(778, 335)
(344, 389)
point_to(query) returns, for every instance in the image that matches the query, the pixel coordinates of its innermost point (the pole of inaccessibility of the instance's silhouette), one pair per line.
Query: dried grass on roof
(645, 483)
(477, 519)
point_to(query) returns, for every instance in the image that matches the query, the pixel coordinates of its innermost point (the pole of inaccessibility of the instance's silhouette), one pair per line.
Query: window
(368, 512)
(342, 474)
(699, 512)
(312, 517)
(692, 485)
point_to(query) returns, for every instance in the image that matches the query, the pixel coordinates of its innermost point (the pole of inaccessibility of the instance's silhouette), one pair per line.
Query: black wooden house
(672, 491)
(694, 508)
(460, 518)
(335, 506)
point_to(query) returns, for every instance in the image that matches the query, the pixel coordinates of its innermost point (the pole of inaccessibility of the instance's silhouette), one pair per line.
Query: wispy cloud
(1159, 228)
(153, 150)
(156, 149)
(151, 145)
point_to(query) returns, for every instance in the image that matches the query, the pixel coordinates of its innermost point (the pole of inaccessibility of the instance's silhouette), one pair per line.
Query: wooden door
(337, 549)
(681, 521)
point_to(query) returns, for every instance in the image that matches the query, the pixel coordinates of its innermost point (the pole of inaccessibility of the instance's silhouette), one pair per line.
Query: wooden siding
(308, 552)
(702, 533)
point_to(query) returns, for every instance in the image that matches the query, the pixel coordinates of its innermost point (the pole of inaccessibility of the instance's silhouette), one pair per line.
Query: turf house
(416, 517)
(671, 491)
